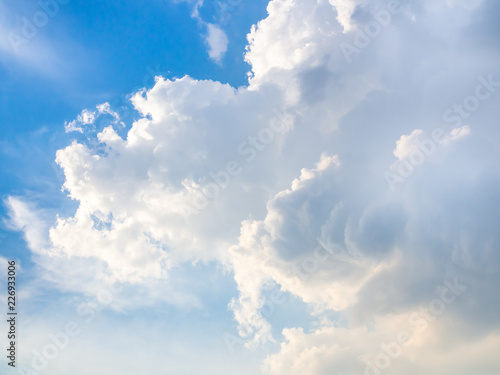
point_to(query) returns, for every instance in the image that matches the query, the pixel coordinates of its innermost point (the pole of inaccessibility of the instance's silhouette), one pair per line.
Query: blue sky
(285, 187)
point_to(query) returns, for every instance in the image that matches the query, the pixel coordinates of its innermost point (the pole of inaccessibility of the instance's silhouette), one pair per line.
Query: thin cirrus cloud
(288, 175)
(24, 41)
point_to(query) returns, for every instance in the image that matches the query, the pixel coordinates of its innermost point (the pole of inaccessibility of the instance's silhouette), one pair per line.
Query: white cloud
(24, 218)
(215, 37)
(86, 120)
(340, 350)
(217, 42)
(310, 210)
(408, 144)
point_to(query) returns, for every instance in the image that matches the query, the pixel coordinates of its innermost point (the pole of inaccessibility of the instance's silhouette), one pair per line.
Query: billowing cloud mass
(358, 171)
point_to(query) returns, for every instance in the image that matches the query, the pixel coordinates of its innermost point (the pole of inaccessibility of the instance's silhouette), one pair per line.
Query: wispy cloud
(217, 42)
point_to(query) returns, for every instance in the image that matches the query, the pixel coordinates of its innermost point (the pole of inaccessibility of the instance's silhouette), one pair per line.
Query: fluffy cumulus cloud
(357, 172)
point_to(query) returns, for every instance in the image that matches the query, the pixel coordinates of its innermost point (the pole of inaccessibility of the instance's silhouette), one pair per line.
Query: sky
(215, 187)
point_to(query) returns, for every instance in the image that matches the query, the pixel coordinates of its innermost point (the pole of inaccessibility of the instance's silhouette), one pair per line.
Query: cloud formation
(217, 42)
(310, 208)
